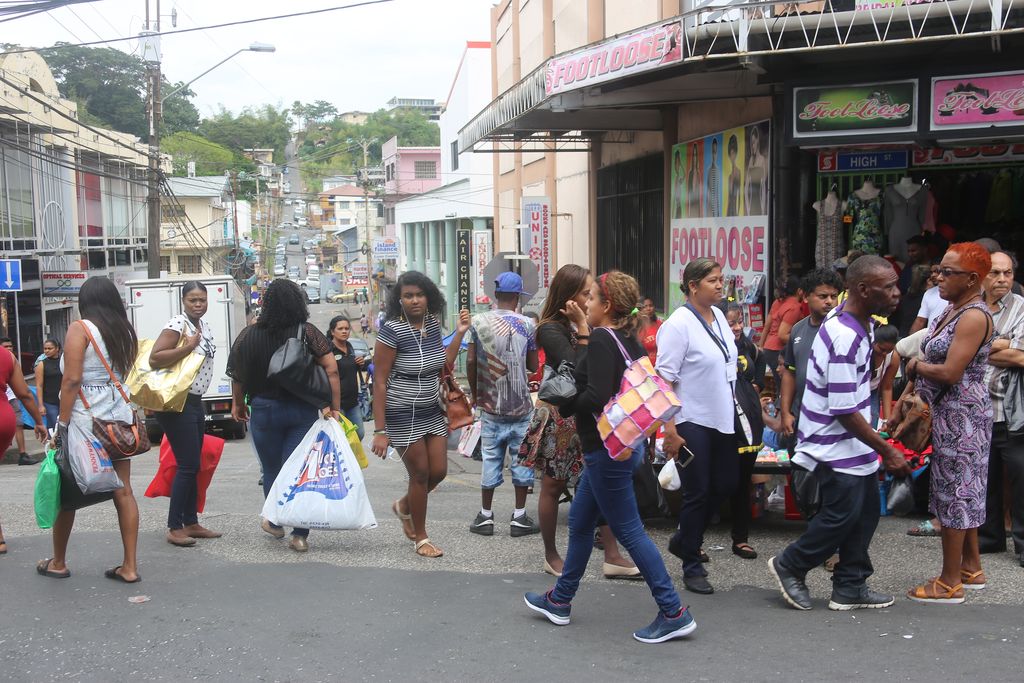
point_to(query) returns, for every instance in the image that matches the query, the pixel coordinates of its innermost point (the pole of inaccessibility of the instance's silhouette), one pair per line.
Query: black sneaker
(482, 525)
(26, 459)
(793, 588)
(868, 599)
(698, 584)
(523, 526)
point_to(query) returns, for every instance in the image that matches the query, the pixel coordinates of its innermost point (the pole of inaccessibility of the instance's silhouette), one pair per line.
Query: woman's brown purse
(119, 439)
(915, 428)
(454, 401)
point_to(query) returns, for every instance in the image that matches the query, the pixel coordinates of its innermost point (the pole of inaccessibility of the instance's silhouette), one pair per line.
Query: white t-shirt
(700, 374)
(838, 383)
(206, 348)
(931, 305)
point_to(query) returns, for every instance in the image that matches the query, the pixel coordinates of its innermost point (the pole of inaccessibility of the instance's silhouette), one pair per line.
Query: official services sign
(66, 284)
(644, 50)
(978, 101)
(860, 111)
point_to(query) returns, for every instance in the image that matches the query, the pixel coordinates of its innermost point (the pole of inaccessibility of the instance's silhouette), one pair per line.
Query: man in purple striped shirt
(835, 441)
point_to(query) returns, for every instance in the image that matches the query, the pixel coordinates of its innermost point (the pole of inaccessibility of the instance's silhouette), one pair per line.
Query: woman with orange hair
(950, 377)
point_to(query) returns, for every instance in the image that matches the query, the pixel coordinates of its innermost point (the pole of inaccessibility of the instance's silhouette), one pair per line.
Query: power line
(59, 23)
(240, 22)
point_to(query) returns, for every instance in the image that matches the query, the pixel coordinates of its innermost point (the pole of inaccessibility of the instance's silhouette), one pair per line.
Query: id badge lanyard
(730, 370)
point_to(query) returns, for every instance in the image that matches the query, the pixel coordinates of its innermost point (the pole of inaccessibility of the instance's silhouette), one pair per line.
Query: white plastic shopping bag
(94, 473)
(321, 484)
(669, 476)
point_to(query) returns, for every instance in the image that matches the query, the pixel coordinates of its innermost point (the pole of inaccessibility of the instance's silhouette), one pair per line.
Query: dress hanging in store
(829, 245)
(906, 204)
(865, 209)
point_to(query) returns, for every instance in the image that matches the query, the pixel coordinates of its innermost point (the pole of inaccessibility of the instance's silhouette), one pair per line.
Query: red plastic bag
(209, 458)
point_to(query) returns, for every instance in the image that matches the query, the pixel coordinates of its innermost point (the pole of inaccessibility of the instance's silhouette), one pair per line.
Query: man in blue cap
(502, 353)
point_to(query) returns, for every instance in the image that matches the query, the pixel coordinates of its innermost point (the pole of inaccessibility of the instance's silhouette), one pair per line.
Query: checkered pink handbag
(645, 402)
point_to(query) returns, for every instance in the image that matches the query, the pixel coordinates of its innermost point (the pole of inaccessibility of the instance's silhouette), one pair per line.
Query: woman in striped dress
(407, 360)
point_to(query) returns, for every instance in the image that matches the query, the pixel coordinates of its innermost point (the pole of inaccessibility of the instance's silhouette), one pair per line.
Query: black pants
(1007, 451)
(184, 432)
(847, 520)
(740, 502)
(709, 479)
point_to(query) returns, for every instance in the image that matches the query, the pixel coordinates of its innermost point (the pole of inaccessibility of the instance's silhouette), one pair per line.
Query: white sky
(357, 59)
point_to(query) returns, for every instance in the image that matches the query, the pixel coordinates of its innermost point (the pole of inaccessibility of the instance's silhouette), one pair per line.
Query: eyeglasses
(947, 272)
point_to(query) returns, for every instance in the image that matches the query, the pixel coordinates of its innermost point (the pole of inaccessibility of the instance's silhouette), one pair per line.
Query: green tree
(265, 127)
(110, 86)
(209, 157)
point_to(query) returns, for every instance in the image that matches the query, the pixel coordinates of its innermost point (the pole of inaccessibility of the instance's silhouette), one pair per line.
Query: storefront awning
(713, 51)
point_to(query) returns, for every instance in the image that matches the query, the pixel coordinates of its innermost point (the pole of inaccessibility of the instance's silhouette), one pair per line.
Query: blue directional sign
(10, 275)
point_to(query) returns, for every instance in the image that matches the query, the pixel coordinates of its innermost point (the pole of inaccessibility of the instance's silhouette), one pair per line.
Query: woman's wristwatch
(379, 431)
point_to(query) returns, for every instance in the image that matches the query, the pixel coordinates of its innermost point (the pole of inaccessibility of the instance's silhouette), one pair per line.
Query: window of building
(170, 213)
(17, 218)
(90, 205)
(117, 207)
(389, 215)
(165, 264)
(455, 155)
(380, 210)
(345, 205)
(190, 264)
(425, 170)
(346, 221)
(388, 172)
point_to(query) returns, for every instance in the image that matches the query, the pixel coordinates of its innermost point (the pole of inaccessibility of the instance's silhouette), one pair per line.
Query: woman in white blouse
(697, 355)
(185, 334)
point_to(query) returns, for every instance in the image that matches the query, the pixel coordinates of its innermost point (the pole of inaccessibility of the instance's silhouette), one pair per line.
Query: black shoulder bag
(293, 368)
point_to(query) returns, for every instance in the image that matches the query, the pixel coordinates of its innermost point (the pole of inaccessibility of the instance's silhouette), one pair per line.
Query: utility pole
(152, 56)
(365, 144)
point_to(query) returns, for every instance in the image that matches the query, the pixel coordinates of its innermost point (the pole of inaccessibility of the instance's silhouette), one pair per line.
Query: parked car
(313, 271)
(310, 259)
(294, 239)
(293, 271)
(312, 294)
(278, 270)
(360, 348)
(342, 297)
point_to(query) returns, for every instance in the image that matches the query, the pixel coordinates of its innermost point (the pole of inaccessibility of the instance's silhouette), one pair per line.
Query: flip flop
(407, 526)
(43, 569)
(112, 574)
(925, 528)
(425, 548)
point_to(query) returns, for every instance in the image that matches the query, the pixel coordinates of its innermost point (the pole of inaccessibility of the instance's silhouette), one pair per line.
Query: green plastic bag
(47, 497)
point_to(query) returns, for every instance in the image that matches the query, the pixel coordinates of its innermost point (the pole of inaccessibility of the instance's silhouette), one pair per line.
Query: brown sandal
(426, 548)
(407, 526)
(973, 580)
(937, 592)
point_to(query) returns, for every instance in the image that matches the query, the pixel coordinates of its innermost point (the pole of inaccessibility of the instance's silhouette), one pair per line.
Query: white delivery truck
(151, 303)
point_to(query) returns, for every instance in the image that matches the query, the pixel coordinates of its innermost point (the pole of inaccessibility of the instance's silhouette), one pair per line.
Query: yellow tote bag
(162, 389)
(352, 434)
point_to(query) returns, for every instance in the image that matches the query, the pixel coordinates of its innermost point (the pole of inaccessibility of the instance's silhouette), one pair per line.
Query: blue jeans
(848, 518)
(355, 416)
(498, 435)
(277, 427)
(606, 488)
(184, 431)
(52, 414)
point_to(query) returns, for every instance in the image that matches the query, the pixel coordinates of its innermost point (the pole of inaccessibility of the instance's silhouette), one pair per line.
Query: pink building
(407, 171)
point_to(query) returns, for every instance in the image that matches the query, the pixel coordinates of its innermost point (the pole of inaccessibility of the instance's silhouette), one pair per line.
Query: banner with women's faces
(719, 208)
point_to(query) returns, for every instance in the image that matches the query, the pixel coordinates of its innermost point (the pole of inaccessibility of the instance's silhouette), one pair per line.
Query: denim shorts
(498, 435)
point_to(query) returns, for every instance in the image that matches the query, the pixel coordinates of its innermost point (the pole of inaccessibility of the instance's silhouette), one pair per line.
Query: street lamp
(254, 47)
(154, 105)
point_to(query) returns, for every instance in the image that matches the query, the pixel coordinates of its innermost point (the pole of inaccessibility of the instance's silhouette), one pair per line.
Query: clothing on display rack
(829, 245)
(905, 207)
(866, 215)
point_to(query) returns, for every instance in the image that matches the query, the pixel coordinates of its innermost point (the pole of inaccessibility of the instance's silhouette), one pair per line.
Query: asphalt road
(362, 606)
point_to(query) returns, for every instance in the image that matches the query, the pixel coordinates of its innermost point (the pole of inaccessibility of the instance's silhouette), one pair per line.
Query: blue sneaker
(665, 628)
(541, 602)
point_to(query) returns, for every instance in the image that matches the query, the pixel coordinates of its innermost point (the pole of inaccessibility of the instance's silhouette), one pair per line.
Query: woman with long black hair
(279, 418)
(85, 374)
(407, 360)
(185, 430)
(48, 379)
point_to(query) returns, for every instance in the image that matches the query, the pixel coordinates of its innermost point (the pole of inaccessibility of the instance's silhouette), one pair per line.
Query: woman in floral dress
(951, 379)
(552, 446)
